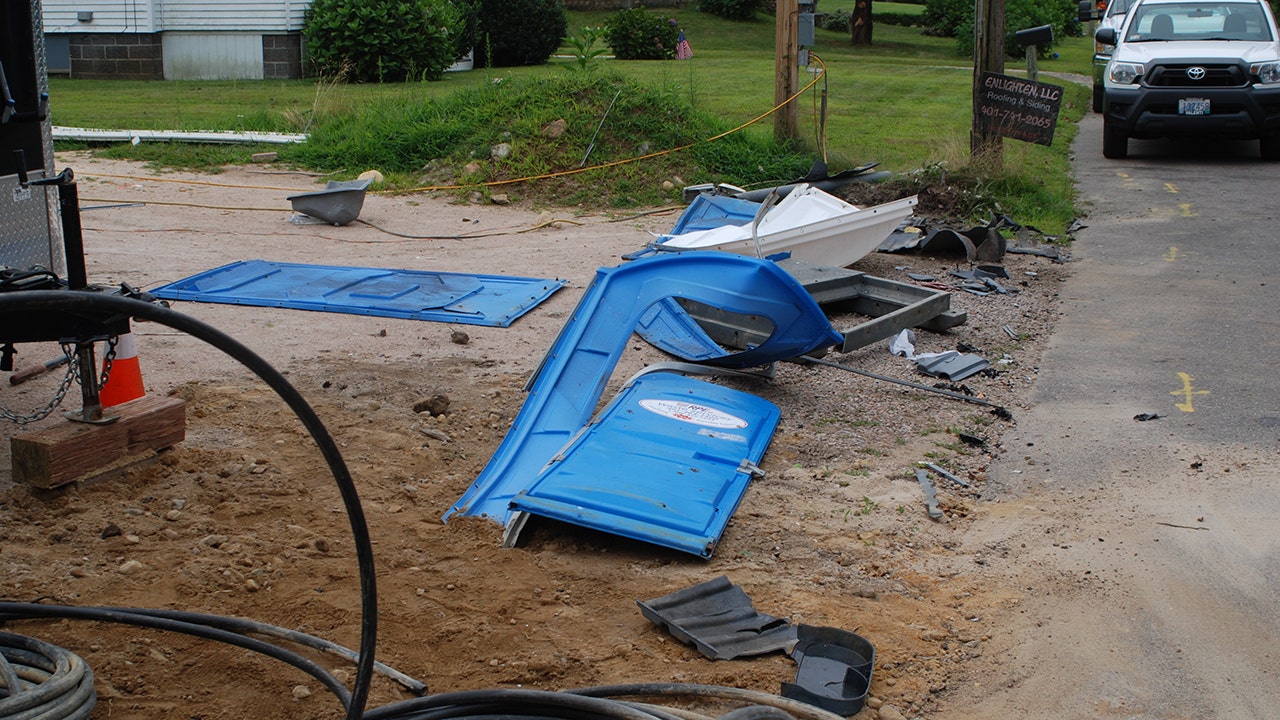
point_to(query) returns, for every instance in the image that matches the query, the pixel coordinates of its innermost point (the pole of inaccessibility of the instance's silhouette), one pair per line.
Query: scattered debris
(930, 496)
(338, 204)
(952, 365)
(435, 406)
(972, 440)
(944, 473)
(1143, 417)
(718, 619)
(833, 669)
(997, 411)
(1009, 331)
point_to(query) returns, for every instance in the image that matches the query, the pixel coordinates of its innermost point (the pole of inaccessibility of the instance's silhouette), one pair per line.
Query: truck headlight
(1125, 73)
(1267, 72)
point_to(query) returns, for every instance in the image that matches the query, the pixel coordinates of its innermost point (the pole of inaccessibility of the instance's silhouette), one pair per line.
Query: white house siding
(231, 15)
(150, 16)
(118, 16)
(212, 56)
(191, 39)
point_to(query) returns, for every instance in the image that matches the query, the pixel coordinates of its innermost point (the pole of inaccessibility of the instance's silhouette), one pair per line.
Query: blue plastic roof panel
(493, 300)
(666, 463)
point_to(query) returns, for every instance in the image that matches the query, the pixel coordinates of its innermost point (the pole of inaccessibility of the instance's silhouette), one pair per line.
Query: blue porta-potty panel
(708, 211)
(567, 386)
(493, 300)
(667, 463)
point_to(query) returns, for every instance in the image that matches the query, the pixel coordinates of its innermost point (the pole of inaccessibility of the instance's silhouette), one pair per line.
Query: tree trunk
(861, 23)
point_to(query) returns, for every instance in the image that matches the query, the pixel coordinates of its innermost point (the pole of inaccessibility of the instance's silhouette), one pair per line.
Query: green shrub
(900, 19)
(1023, 14)
(467, 34)
(838, 21)
(381, 40)
(732, 9)
(520, 32)
(637, 34)
(942, 17)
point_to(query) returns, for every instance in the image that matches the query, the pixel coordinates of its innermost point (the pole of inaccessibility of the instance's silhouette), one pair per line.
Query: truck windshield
(1154, 22)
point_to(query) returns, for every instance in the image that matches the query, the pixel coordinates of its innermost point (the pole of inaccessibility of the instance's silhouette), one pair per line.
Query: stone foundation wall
(282, 57)
(117, 56)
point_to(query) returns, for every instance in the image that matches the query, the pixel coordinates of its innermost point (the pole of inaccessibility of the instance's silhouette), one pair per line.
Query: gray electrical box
(804, 29)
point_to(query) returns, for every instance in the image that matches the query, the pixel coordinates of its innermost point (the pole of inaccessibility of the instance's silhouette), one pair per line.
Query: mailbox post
(1032, 39)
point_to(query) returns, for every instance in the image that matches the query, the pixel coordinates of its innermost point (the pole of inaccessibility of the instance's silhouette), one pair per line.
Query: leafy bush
(381, 40)
(838, 21)
(942, 17)
(520, 32)
(587, 48)
(467, 34)
(636, 34)
(732, 9)
(900, 19)
(954, 18)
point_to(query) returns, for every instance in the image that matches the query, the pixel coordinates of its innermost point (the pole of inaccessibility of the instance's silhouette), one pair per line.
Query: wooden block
(72, 451)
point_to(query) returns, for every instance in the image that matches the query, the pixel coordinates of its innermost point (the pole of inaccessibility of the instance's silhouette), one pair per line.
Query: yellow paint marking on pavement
(1171, 188)
(1187, 211)
(1187, 392)
(1173, 255)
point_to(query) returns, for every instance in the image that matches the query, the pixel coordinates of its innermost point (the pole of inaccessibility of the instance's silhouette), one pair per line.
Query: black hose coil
(39, 680)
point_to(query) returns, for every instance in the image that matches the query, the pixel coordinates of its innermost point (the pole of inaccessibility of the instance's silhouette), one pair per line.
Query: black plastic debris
(718, 619)
(1143, 417)
(833, 669)
(1002, 413)
(952, 365)
(972, 440)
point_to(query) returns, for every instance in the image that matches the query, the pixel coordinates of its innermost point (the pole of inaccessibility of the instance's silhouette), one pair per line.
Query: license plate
(1193, 106)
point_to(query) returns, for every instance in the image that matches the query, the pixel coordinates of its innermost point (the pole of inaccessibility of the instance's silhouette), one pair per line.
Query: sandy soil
(243, 520)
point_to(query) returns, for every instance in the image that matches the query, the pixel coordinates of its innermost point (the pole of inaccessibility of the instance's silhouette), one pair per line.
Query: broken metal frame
(893, 306)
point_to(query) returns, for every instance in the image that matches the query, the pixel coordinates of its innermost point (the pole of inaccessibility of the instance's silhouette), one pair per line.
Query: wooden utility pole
(786, 121)
(986, 149)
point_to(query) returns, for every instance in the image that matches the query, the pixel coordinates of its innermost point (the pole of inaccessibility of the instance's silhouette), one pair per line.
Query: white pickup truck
(1186, 68)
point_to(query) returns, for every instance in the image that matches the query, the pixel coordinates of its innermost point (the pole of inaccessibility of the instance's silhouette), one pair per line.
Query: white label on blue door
(690, 413)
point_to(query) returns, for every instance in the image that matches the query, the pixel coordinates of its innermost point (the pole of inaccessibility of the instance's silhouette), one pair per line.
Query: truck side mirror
(1106, 36)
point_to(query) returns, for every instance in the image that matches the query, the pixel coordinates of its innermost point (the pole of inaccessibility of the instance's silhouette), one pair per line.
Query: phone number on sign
(1009, 116)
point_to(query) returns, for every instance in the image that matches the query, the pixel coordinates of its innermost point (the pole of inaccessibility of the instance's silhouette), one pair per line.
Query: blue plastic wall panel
(664, 464)
(667, 326)
(492, 300)
(568, 385)
(713, 211)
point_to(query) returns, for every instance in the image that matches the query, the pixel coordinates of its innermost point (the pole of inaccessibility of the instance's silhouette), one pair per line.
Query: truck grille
(1175, 75)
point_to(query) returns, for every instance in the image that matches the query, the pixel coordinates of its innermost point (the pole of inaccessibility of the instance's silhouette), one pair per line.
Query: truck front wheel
(1115, 143)
(1270, 146)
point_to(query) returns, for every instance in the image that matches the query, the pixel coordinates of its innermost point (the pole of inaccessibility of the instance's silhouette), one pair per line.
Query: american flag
(683, 51)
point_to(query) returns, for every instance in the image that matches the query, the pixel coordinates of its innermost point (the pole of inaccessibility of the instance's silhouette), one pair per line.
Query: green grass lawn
(903, 102)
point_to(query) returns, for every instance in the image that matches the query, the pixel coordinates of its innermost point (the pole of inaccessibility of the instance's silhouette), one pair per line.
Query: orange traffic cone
(124, 383)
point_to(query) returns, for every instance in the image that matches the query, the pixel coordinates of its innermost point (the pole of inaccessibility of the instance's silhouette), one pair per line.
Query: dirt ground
(242, 519)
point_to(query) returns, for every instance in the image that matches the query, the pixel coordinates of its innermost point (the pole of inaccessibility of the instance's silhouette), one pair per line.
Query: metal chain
(107, 360)
(69, 377)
